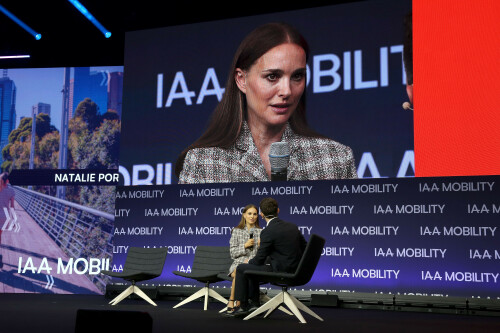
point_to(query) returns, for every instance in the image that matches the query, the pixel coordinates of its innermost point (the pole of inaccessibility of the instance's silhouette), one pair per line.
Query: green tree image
(16, 153)
(94, 142)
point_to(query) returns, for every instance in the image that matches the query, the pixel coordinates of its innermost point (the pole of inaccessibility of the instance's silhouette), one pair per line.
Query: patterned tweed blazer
(310, 159)
(237, 246)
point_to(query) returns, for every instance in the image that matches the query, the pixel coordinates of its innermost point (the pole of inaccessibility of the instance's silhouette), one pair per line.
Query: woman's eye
(298, 76)
(272, 77)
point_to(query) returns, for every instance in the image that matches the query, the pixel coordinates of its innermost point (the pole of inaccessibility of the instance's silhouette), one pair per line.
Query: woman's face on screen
(274, 84)
(250, 216)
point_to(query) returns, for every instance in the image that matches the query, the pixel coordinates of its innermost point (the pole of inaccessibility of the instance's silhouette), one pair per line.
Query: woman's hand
(249, 243)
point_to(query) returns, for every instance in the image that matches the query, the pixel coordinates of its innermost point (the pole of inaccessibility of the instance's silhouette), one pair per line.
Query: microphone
(279, 156)
(407, 106)
(251, 233)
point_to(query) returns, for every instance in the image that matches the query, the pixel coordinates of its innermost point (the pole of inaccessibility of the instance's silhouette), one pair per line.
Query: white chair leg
(206, 300)
(132, 290)
(266, 298)
(145, 297)
(271, 305)
(122, 296)
(196, 295)
(217, 296)
(291, 305)
(304, 308)
(271, 310)
(203, 292)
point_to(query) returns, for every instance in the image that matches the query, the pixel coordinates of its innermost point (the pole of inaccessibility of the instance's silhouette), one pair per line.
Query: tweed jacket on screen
(310, 159)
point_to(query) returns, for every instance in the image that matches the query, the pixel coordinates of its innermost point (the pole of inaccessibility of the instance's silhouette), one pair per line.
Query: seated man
(282, 243)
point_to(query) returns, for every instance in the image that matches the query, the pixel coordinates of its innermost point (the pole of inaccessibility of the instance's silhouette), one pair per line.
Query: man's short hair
(269, 207)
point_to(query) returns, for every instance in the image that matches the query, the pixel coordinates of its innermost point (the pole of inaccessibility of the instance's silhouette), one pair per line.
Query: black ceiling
(69, 39)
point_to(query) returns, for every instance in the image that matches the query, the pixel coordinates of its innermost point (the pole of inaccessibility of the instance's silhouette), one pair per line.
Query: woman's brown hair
(226, 121)
(242, 223)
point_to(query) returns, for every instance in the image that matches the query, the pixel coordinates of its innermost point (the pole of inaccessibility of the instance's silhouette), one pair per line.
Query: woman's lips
(280, 108)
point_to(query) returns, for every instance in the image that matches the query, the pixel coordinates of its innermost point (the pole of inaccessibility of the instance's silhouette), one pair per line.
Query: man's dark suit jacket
(283, 243)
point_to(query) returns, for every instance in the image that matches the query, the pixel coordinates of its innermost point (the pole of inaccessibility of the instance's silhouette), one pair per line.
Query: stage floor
(58, 313)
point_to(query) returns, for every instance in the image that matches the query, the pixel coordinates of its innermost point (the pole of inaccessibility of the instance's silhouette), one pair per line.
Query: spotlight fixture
(20, 23)
(90, 17)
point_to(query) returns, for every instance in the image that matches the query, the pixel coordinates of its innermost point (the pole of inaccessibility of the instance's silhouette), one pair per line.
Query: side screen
(58, 124)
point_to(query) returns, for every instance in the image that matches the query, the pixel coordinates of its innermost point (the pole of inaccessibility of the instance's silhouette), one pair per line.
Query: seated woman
(243, 244)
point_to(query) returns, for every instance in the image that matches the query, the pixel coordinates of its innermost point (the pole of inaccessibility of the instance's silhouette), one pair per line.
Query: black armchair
(141, 264)
(209, 261)
(302, 275)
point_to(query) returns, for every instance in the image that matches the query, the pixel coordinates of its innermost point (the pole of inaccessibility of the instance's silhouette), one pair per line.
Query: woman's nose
(284, 88)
